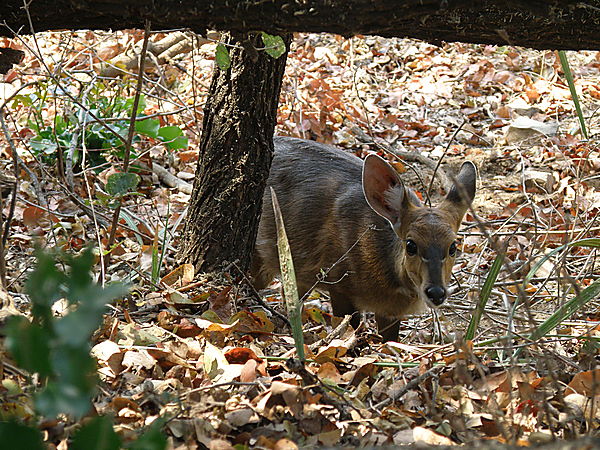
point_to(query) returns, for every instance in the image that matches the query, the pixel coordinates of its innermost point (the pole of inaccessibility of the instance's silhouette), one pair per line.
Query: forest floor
(200, 351)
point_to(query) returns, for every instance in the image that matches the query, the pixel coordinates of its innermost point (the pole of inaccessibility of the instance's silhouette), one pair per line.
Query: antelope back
(382, 250)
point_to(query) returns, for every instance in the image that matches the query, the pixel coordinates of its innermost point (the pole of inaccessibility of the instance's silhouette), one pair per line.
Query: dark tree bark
(546, 24)
(235, 157)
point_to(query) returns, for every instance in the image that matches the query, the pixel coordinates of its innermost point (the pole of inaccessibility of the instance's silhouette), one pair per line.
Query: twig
(336, 333)
(412, 384)
(54, 78)
(82, 122)
(216, 385)
(3, 283)
(325, 272)
(407, 156)
(439, 161)
(138, 118)
(13, 200)
(168, 178)
(296, 366)
(136, 102)
(16, 92)
(257, 296)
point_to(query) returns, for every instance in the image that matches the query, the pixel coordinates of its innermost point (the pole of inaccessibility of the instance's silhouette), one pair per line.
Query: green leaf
(80, 279)
(97, 434)
(564, 62)
(45, 287)
(131, 221)
(16, 436)
(222, 57)
(590, 242)
(173, 137)
(43, 145)
(484, 296)
(60, 124)
(288, 280)
(122, 183)
(75, 384)
(156, 262)
(25, 100)
(28, 344)
(148, 127)
(564, 312)
(59, 348)
(127, 105)
(274, 45)
(78, 326)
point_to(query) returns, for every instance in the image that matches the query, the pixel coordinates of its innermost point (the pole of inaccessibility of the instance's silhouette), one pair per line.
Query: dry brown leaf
(240, 355)
(136, 359)
(329, 438)
(256, 322)
(585, 383)
(333, 352)
(241, 417)
(180, 276)
(430, 437)
(249, 371)
(109, 354)
(285, 444)
(329, 372)
(220, 444)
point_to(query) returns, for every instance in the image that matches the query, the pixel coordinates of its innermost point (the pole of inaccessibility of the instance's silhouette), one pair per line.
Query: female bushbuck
(380, 248)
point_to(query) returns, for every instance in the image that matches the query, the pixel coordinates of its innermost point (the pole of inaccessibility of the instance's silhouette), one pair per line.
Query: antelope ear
(462, 192)
(384, 191)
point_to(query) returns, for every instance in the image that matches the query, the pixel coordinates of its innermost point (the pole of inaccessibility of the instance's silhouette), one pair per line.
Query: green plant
(288, 280)
(100, 126)
(57, 349)
(568, 308)
(274, 46)
(158, 257)
(484, 296)
(564, 312)
(564, 62)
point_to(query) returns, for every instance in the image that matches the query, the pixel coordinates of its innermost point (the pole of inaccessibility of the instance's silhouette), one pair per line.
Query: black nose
(436, 294)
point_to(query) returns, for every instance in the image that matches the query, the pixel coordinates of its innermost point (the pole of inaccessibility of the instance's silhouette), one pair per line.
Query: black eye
(411, 247)
(452, 249)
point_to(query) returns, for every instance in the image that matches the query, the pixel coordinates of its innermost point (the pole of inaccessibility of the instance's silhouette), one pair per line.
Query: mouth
(430, 303)
(433, 304)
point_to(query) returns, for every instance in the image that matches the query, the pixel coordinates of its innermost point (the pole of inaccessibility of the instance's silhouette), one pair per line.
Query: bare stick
(258, 298)
(136, 102)
(439, 161)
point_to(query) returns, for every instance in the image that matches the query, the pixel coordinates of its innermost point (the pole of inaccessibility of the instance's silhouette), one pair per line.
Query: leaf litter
(197, 348)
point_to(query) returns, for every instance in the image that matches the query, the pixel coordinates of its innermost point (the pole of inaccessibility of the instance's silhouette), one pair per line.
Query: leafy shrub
(57, 349)
(95, 120)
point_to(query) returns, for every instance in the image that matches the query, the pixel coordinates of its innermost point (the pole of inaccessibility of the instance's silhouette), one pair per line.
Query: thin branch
(136, 102)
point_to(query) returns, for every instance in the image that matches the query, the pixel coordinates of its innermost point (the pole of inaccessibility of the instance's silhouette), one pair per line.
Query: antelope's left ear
(462, 192)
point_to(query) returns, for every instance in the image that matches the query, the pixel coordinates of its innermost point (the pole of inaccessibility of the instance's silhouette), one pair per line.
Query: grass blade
(156, 260)
(565, 311)
(288, 279)
(591, 242)
(569, 76)
(484, 296)
(572, 305)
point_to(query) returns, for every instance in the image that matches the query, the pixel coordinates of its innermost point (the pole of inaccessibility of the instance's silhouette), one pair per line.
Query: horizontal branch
(542, 24)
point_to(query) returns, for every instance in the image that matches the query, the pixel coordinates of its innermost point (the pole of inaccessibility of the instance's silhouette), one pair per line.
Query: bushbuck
(359, 232)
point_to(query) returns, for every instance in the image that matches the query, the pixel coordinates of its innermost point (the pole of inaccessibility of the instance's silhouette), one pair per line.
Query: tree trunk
(235, 157)
(545, 24)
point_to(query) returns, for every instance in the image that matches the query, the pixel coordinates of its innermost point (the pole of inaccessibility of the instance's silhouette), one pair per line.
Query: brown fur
(328, 216)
